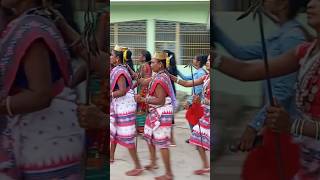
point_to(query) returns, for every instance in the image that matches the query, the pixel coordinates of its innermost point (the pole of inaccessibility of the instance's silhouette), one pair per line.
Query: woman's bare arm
(79, 76)
(184, 83)
(122, 87)
(309, 129)
(160, 96)
(98, 63)
(255, 70)
(38, 72)
(144, 81)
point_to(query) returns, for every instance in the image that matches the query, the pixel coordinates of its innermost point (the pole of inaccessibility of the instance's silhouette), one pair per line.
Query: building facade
(179, 26)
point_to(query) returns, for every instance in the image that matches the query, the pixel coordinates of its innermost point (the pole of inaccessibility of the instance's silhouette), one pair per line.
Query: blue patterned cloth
(287, 37)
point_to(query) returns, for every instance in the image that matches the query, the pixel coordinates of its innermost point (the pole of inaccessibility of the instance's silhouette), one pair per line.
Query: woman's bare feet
(134, 172)
(151, 167)
(164, 177)
(111, 160)
(202, 171)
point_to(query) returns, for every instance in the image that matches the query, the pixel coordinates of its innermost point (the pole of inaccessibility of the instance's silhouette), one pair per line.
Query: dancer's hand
(139, 81)
(135, 76)
(278, 119)
(58, 18)
(247, 139)
(196, 99)
(186, 105)
(91, 117)
(138, 98)
(172, 77)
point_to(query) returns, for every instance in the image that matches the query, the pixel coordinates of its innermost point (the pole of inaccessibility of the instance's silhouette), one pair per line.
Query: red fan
(261, 163)
(194, 113)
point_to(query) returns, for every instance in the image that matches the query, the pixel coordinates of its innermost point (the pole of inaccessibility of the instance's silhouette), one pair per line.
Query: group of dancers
(290, 126)
(156, 98)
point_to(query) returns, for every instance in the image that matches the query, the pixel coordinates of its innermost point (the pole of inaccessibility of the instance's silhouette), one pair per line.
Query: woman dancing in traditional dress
(40, 135)
(201, 131)
(306, 59)
(122, 110)
(145, 71)
(198, 62)
(171, 65)
(161, 101)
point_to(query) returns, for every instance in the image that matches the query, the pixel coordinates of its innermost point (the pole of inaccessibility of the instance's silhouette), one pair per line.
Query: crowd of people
(151, 91)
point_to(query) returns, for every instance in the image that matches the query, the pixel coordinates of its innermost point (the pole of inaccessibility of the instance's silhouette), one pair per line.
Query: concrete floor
(230, 121)
(184, 158)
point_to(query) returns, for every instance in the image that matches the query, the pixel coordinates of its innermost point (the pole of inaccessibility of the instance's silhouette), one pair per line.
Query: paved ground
(230, 120)
(184, 157)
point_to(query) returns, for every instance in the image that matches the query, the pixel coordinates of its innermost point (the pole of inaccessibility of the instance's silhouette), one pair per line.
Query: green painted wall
(185, 71)
(193, 12)
(196, 12)
(242, 32)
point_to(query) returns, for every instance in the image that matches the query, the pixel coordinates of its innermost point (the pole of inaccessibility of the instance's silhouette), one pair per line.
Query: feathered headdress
(117, 48)
(124, 50)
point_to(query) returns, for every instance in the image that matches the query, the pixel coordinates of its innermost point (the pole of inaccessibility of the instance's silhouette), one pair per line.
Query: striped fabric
(122, 111)
(201, 132)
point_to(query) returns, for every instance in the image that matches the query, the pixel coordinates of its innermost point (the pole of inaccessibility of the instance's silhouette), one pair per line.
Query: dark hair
(65, 7)
(119, 54)
(163, 62)
(129, 59)
(202, 59)
(173, 67)
(7, 12)
(295, 6)
(147, 55)
(173, 62)
(129, 55)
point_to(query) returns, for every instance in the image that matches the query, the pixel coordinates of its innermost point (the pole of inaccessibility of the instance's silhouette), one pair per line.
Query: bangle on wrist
(294, 127)
(301, 128)
(297, 127)
(317, 130)
(57, 19)
(8, 106)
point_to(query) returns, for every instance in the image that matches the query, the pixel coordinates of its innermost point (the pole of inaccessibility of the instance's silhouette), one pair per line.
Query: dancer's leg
(153, 163)
(112, 151)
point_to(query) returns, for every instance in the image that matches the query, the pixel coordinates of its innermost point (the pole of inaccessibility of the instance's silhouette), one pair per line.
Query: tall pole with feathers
(90, 43)
(257, 10)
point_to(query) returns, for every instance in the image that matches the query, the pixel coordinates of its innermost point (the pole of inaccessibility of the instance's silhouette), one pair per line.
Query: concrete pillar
(177, 50)
(151, 35)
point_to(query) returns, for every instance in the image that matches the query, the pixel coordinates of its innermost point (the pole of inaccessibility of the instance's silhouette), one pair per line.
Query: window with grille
(194, 40)
(186, 40)
(165, 36)
(131, 34)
